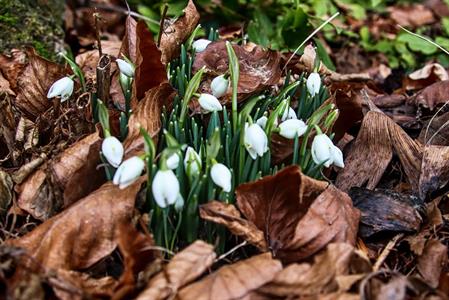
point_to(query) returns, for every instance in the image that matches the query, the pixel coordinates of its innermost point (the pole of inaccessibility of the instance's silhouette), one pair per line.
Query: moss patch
(36, 23)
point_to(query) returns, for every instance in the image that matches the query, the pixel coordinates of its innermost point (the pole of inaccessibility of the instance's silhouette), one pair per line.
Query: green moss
(36, 23)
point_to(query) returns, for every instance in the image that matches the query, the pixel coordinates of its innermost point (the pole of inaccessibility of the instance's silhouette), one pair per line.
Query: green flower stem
(234, 72)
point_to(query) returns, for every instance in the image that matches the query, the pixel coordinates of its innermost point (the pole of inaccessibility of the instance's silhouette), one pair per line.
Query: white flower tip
(219, 86)
(200, 45)
(112, 150)
(61, 88)
(209, 103)
(125, 67)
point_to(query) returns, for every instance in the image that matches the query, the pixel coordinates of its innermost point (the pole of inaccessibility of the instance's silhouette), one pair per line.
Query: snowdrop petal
(209, 103)
(200, 45)
(192, 162)
(322, 150)
(165, 188)
(255, 140)
(173, 161)
(61, 88)
(219, 86)
(313, 83)
(112, 150)
(125, 67)
(221, 176)
(289, 114)
(337, 157)
(128, 172)
(290, 128)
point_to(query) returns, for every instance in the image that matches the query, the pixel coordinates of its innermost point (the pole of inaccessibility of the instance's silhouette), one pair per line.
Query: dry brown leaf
(434, 170)
(299, 215)
(372, 152)
(431, 96)
(234, 281)
(84, 233)
(12, 65)
(33, 84)
(182, 269)
(147, 115)
(148, 61)
(259, 68)
(433, 132)
(432, 262)
(425, 76)
(415, 15)
(68, 177)
(228, 215)
(129, 47)
(178, 32)
(319, 277)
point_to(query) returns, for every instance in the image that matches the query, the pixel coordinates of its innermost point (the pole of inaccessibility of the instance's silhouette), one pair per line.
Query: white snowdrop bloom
(173, 161)
(209, 103)
(165, 188)
(324, 151)
(112, 150)
(200, 45)
(313, 83)
(292, 127)
(125, 67)
(221, 176)
(61, 88)
(219, 86)
(255, 140)
(289, 114)
(128, 172)
(192, 162)
(262, 121)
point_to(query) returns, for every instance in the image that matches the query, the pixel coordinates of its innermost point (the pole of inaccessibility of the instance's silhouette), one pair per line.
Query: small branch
(224, 255)
(125, 12)
(104, 78)
(161, 25)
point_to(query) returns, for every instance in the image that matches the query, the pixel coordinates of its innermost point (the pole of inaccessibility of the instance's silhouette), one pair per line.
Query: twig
(125, 11)
(309, 37)
(223, 256)
(97, 32)
(161, 25)
(384, 254)
(103, 78)
(425, 39)
(430, 122)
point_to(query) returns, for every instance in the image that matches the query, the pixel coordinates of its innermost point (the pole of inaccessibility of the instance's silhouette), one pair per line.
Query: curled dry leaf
(178, 32)
(148, 61)
(68, 177)
(434, 170)
(321, 276)
(147, 115)
(228, 215)
(372, 152)
(234, 281)
(33, 84)
(432, 262)
(12, 65)
(414, 15)
(84, 233)
(259, 68)
(425, 76)
(298, 215)
(183, 268)
(386, 211)
(431, 96)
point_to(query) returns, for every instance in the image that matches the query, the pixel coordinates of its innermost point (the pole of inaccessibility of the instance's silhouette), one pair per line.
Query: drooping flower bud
(112, 150)
(325, 152)
(219, 86)
(173, 161)
(165, 188)
(209, 103)
(262, 121)
(289, 114)
(192, 162)
(61, 88)
(200, 45)
(128, 172)
(290, 128)
(179, 203)
(125, 67)
(313, 83)
(255, 140)
(221, 176)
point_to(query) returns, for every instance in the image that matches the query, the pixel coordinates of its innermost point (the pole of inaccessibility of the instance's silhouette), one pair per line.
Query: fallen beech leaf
(234, 281)
(425, 76)
(386, 211)
(147, 115)
(431, 96)
(11, 66)
(259, 68)
(84, 233)
(129, 47)
(432, 262)
(299, 215)
(148, 61)
(182, 269)
(68, 177)
(228, 215)
(434, 170)
(319, 277)
(372, 152)
(415, 15)
(33, 84)
(178, 32)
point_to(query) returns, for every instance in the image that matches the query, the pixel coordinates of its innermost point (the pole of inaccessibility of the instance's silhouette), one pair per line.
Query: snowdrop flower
(325, 152)
(313, 83)
(173, 161)
(112, 150)
(200, 45)
(179, 203)
(61, 88)
(209, 103)
(255, 140)
(290, 128)
(221, 176)
(289, 114)
(165, 187)
(262, 121)
(219, 86)
(125, 67)
(128, 172)
(192, 162)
